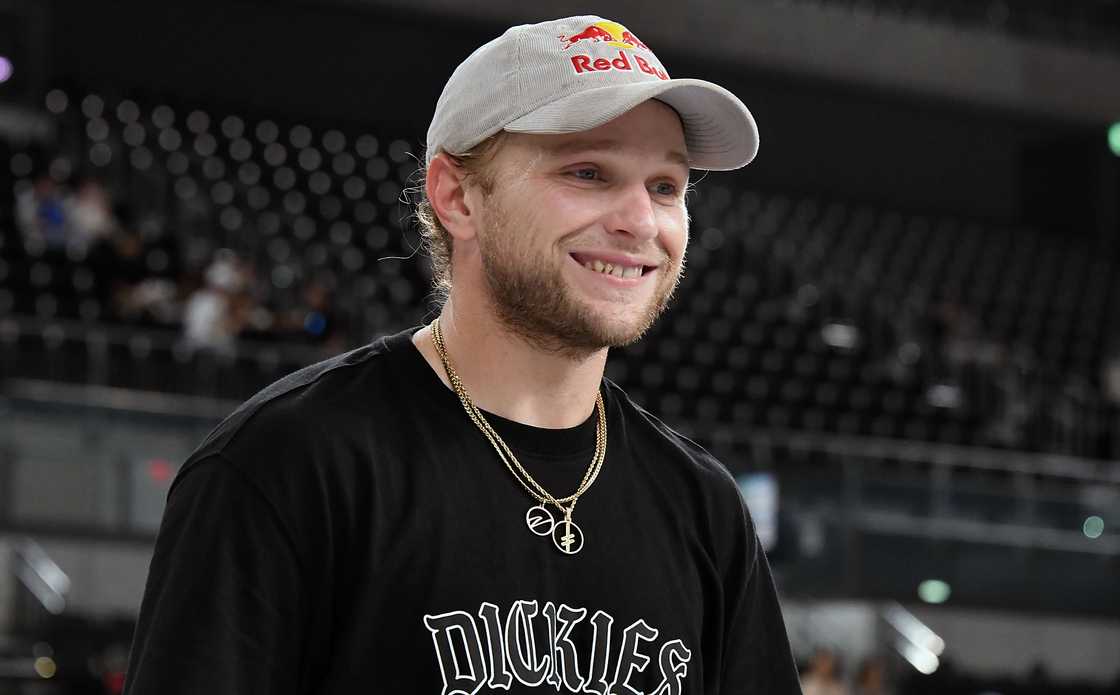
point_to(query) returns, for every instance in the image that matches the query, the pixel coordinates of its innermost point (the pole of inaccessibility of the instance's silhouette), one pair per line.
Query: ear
(444, 186)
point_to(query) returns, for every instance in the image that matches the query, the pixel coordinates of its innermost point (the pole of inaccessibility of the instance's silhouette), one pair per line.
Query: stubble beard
(531, 298)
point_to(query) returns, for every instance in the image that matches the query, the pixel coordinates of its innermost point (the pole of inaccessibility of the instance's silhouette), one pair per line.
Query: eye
(586, 173)
(665, 188)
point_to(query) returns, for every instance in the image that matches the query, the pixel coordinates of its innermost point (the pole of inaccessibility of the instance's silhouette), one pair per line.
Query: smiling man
(469, 506)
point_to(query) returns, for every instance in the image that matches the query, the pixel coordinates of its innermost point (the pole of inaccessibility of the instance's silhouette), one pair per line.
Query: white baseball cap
(574, 74)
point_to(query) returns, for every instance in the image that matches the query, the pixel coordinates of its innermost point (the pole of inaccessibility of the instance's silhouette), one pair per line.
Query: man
(403, 518)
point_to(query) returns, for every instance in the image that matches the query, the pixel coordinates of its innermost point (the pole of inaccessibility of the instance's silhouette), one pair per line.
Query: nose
(632, 213)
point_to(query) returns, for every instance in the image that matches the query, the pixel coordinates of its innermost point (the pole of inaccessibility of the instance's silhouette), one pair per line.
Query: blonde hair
(437, 241)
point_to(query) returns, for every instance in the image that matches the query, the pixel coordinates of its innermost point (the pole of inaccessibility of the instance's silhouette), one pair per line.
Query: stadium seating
(796, 312)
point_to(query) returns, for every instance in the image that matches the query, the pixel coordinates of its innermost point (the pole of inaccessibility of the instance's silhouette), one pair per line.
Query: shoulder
(695, 482)
(679, 451)
(306, 410)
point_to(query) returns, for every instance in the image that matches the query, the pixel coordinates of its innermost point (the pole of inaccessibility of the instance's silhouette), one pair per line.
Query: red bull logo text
(585, 63)
(612, 34)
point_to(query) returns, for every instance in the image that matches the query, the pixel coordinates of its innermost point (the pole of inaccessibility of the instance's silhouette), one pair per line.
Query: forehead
(652, 130)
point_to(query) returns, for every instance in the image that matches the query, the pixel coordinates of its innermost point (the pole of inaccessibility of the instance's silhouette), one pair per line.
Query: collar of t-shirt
(538, 442)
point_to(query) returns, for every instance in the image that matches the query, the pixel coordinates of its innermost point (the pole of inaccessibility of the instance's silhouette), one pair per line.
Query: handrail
(120, 399)
(1067, 466)
(158, 337)
(916, 642)
(41, 575)
(857, 446)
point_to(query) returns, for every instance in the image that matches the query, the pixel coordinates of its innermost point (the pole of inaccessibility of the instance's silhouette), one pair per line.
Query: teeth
(616, 270)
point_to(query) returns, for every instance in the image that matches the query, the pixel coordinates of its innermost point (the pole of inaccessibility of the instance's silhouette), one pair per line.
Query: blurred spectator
(118, 265)
(153, 300)
(871, 678)
(216, 312)
(313, 320)
(90, 215)
(822, 677)
(41, 214)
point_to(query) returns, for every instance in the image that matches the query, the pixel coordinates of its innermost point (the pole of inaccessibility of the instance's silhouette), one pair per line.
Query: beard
(530, 296)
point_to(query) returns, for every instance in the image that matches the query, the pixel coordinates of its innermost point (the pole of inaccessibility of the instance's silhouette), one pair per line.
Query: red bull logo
(585, 63)
(611, 33)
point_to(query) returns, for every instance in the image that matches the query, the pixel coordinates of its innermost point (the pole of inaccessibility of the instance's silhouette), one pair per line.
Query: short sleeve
(223, 609)
(757, 656)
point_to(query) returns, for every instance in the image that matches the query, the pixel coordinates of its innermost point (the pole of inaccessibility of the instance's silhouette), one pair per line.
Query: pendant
(540, 520)
(567, 537)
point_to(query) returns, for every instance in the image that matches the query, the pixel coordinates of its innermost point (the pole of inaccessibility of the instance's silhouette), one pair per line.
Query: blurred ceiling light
(163, 116)
(944, 396)
(128, 111)
(205, 144)
(808, 295)
(240, 149)
(60, 169)
(93, 106)
(186, 188)
(334, 141)
(275, 154)
(140, 158)
(45, 667)
(97, 129)
(170, 140)
(399, 151)
(1114, 138)
(5, 69)
(160, 470)
(934, 591)
(310, 159)
(232, 127)
(712, 238)
(134, 134)
(924, 661)
(267, 132)
(300, 136)
(100, 155)
(366, 146)
(1093, 527)
(909, 353)
(910, 628)
(915, 642)
(57, 101)
(198, 121)
(343, 164)
(843, 336)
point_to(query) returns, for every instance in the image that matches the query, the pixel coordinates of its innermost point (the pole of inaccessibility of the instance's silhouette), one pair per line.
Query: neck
(510, 376)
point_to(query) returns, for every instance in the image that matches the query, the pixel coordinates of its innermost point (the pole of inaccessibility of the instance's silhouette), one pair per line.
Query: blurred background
(897, 328)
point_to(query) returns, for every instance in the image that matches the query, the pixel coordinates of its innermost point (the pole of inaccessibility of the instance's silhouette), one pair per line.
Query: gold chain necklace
(566, 535)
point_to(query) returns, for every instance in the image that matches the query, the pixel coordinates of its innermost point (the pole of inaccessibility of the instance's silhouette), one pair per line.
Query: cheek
(555, 218)
(674, 232)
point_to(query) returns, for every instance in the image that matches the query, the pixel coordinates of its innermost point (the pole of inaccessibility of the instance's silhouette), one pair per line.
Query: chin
(621, 330)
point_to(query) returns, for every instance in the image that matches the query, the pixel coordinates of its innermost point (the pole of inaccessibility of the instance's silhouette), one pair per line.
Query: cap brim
(719, 130)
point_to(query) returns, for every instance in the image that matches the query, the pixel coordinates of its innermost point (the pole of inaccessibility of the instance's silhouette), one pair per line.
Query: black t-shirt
(349, 530)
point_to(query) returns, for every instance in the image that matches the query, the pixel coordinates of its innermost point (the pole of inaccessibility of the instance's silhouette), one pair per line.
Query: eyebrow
(575, 146)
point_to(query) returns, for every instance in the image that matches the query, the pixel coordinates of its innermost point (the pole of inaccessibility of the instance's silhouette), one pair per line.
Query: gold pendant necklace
(565, 534)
